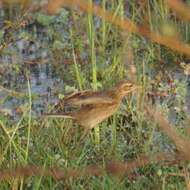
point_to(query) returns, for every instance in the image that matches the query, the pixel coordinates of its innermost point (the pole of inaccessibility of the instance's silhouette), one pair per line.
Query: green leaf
(61, 96)
(69, 89)
(44, 19)
(58, 45)
(24, 35)
(1, 34)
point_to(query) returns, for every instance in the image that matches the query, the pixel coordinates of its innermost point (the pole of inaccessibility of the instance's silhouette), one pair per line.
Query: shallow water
(43, 81)
(33, 58)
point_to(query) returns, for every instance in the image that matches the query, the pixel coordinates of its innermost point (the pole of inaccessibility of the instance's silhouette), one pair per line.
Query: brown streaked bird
(94, 107)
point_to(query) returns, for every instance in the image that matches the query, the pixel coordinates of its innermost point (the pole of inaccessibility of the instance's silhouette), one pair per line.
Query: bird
(93, 107)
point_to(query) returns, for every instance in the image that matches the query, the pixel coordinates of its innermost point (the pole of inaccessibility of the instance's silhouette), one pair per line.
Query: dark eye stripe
(129, 85)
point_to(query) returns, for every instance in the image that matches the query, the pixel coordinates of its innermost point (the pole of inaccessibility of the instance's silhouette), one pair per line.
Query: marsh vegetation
(51, 49)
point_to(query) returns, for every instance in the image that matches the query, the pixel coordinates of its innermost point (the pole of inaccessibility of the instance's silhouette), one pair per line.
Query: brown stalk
(181, 9)
(182, 144)
(125, 24)
(114, 168)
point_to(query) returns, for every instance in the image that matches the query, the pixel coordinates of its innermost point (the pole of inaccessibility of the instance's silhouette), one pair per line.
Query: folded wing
(86, 98)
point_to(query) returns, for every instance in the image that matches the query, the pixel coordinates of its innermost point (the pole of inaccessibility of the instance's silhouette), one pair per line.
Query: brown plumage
(94, 107)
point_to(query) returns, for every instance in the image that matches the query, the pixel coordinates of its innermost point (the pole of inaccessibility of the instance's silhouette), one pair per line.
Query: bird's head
(125, 87)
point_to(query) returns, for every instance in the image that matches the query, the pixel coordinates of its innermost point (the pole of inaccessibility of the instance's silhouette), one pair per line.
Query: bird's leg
(68, 130)
(85, 133)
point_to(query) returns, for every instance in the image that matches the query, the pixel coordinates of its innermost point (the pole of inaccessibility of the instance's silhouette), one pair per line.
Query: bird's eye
(129, 85)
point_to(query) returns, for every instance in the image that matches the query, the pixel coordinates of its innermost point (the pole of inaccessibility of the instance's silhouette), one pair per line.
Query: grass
(91, 37)
(128, 133)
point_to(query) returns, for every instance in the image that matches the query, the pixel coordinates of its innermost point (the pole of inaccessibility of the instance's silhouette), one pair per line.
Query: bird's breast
(92, 117)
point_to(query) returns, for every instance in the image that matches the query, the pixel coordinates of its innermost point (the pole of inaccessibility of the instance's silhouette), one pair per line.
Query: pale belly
(93, 117)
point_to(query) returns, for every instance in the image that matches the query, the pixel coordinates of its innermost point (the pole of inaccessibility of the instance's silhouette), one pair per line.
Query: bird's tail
(59, 115)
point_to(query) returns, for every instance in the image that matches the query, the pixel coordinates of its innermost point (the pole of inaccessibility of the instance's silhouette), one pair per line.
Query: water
(33, 58)
(44, 83)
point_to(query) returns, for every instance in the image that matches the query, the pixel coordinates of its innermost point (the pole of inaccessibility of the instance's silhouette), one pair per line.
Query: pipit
(94, 106)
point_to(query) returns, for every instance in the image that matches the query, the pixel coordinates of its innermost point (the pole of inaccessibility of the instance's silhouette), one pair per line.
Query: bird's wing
(86, 98)
(71, 99)
(89, 100)
(81, 94)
